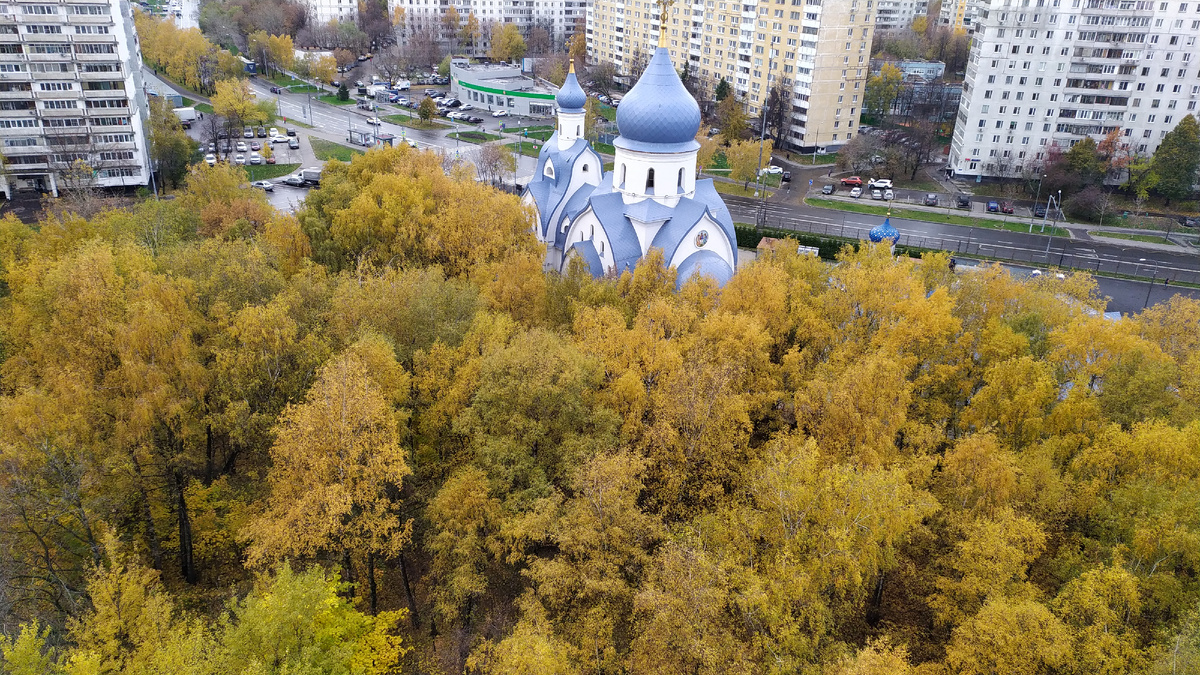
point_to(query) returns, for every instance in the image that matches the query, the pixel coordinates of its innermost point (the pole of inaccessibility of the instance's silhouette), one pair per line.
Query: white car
(241, 146)
(881, 183)
(772, 170)
(888, 195)
(466, 106)
(499, 113)
(265, 185)
(876, 194)
(856, 192)
(255, 158)
(210, 159)
(272, 132)
(411, 143)
(374, 121)
(240, 159)
(279, 139)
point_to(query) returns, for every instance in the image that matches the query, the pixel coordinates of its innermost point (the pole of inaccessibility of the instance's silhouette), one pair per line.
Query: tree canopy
(375, 437)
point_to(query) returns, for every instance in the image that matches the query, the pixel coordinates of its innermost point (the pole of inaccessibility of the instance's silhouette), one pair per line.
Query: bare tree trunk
(412, 602)
(152, 539)
(187, 561)
(371, 582)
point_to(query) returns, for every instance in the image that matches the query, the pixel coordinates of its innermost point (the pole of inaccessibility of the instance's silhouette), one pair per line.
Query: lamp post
(1035, 201)
(1150, 288)
(762, 136)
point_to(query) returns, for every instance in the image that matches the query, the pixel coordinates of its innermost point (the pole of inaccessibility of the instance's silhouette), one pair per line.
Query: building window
(649, 180)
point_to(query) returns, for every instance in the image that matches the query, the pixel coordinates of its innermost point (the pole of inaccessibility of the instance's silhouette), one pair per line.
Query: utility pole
(762, 136)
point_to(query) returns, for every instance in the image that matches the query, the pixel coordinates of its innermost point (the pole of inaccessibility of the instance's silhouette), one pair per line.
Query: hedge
(827, 247)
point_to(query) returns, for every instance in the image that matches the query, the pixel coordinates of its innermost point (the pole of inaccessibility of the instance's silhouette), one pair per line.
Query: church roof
(705, 263)
(884, 231)
(689, 212)
(549, 192)
(575, 204)
(587, 251)
(570, 97)
(658, 114)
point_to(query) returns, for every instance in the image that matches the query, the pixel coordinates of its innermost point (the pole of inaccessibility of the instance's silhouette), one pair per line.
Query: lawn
(415, 123)
(718, 162)
(920, 185)
(608, 166)
(528, 148)
(284, 80)
(798, 158)
(187, 102)
(1149, 238)
(269, 171)
(326, 150)
(332, 99)
(540, 133)
(608, 112)
(930, 216)
(604, 148)
(204, 108)
(736, 189)
(476, 137)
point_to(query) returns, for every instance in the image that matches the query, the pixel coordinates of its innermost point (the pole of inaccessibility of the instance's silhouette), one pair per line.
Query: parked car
(240, 159)
(279, 139)
(294, 181)
(272, 132)
(786, 178)
(210, 159)
(241, 146)
(212, 147)
(856, 192)
(888, 195)
(262, 132)
(876, 194)
(374, 121)
(256, 146)
(1189, 222)
(271, 159)
(854, 181)
(993, 206)
(248, 132)
(1039, 211)
(500, 113)
(881, 183)
(255, 158)
(264, 185)
(290, 131)
(962, 202)
(1006, 207)
(475, 120)
(931, 199)
(827, 190)
(294, 143)
(772, 170)
(466, 106)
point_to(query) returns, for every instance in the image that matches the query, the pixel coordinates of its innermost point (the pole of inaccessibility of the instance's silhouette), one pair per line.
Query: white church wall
(717, 243)
(632, 168)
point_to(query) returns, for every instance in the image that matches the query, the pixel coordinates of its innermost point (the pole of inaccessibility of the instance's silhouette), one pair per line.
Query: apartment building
(960, 15)
(324, 11)
(1044, 74)
(898, 14)
(816, 51)
(71, 96)
(560, 18)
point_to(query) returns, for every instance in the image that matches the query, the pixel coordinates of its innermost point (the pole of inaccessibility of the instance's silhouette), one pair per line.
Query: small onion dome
(884, 231)
(658, 114)
(570, 97)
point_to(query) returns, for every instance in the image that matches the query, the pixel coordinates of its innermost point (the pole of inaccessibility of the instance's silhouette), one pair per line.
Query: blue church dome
(884, 231)
(658, 114)
(570, 97)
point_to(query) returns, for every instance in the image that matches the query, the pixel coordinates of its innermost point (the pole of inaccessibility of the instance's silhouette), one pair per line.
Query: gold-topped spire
(571, 68)
(662, 21)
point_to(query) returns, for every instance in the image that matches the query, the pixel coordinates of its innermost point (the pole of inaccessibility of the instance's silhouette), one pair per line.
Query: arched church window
(592, 234)
(577, 130)
(650, 180)
(585, 168)
(623, 172)
(602, 248)
(681, 178)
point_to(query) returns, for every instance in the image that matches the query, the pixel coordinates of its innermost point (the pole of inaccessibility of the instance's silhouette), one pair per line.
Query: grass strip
(476, 137)
(415, 122)
(269, 171)
(737, 189)
(327, 150)
(1148, 238)
(332, 99)
(930, 216)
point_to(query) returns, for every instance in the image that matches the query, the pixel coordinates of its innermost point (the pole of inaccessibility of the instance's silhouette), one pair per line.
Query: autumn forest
(374, 437)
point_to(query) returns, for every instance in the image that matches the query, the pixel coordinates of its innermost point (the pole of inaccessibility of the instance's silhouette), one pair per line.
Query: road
(1017, 247)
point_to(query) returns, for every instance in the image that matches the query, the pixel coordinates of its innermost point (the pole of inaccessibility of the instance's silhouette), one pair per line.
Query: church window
(681, 178)
(585, 168)
(623, 171)
(592, 234)
(650, 180)
(577, 130)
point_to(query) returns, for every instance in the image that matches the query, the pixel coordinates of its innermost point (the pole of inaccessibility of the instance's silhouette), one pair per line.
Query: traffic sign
(810, 182)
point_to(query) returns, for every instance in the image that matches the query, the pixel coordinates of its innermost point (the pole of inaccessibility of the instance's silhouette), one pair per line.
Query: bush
(343, 93)
(749, 236)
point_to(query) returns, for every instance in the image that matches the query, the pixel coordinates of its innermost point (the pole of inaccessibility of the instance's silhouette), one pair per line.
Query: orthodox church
(651, 198)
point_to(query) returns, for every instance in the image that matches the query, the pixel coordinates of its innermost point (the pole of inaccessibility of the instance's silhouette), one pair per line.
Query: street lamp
(762, 136)
(1035, 202)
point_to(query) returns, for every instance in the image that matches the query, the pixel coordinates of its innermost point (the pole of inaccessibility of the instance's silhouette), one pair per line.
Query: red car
(1006, 207)
(853, 181)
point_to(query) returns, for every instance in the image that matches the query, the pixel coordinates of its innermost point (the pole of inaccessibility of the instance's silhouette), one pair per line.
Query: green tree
(732, 118)
(343, 94)
(745, 158)
(427, 109)
(170, 147)
(722, 90)
(507, 44)
(882, 90)
(1177, 159)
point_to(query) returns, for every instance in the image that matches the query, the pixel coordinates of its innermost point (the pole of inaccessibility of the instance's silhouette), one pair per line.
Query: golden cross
(662, 20)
